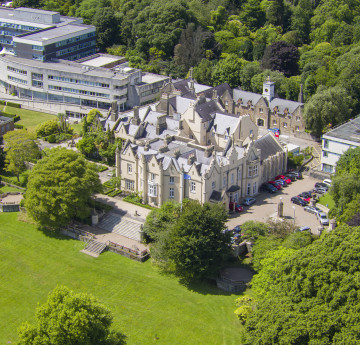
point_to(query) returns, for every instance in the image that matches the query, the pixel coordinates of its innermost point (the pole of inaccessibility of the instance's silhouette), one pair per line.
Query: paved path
(130, 210)
(103, 236)
(266, 207)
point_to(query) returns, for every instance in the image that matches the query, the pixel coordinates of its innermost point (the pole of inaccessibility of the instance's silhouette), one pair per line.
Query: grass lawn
(29, 119)
(146, 305)
(6, 189)
(327, 201)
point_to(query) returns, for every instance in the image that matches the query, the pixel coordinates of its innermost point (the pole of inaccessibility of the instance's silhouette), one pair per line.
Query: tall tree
(106, 26)
(328, 107)
(194, 245)
(20, 147)
(70, 318)
(281, 56)
(59, 188)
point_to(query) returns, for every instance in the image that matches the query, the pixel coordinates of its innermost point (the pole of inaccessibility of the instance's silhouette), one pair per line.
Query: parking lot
(266, 207)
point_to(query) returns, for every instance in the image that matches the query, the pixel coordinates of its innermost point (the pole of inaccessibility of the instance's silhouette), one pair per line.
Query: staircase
(122, 226)
(94, 248)
(316, 152)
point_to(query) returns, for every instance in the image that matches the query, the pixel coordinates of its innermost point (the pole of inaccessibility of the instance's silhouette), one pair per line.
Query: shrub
(18, 126)
(7, 115)
(47, 128)
(51, 138)
(2, 102)
(14, 105)
(17, 118)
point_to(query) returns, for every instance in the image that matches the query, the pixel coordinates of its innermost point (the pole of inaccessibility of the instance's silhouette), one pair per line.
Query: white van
(327, 182)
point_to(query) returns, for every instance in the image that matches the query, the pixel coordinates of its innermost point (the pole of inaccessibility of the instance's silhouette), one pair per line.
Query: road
(266, 207)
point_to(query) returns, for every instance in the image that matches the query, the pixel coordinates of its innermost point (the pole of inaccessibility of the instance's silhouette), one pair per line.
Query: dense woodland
(311, 42)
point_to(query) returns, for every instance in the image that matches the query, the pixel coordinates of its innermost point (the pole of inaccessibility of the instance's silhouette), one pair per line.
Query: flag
(187, 177)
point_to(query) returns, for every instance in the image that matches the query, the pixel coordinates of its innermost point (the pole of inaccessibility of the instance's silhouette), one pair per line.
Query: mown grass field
(29, 119)
(327, 201)
(149, 307)
(7, 189)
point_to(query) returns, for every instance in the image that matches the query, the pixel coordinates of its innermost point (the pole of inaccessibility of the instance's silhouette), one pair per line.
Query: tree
(59, 188)
(193, 245)
(311, 295)
(228, 71)
(203, 72)
(191, 49)
(328, 107)
(70, 318)
(20, 147)
(252, 15)
(283, 57)
(106, 27)
(252, 229)
(47, 128)
(345, 188)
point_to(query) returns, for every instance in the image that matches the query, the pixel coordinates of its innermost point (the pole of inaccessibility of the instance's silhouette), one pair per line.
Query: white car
(323, 219)
(312, 209)
(327, 182)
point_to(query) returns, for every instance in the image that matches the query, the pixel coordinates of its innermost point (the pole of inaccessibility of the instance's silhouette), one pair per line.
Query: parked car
(321, 185)
(303, 228)
(235, 207)
(249, 201)
(327, 182)
(282, 182)
(291, 177)
(275, 184)
(323, 219)
(305, 197)
(282, 177)
(297, 174)
(320, 190)
(267, 187)
(312, 209)
(298, 201)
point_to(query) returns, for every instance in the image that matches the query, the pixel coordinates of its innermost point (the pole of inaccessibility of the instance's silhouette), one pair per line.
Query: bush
(135, 199)
(2, 102)
(18, 126)
(14, 105)
(7, 115)
(51, 138)
(17, 118)
(47, 128)
(101, 168)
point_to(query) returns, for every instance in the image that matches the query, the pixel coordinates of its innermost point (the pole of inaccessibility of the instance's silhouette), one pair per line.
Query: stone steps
(122, 226)
(94, 248)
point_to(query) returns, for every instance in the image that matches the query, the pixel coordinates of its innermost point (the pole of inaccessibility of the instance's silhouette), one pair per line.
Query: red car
(275, 184)
(233, 206)
(282, 177)
(305, 197)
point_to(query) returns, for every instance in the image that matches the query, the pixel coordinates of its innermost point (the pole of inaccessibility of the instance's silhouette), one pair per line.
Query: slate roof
(180, 103)
(184, 86)
(220, 90)
(207, 110)
(268, 145)
(225, 123)
(246, 96)
(282, 104)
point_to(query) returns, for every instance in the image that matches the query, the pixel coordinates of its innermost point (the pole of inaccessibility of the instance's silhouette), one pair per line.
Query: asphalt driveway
(266, 207)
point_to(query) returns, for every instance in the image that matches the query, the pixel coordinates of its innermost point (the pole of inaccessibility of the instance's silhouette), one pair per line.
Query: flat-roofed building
(337, 141)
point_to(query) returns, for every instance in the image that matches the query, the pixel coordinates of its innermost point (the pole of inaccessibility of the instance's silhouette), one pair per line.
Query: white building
(337, 141)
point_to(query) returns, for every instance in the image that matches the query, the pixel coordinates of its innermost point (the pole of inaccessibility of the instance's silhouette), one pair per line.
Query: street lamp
(294, 213)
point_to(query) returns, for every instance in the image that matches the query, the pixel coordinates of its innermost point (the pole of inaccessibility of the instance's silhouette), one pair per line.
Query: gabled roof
(220, 90)
(180, 103)
(184, 86)
(207, 110)
(282, 104)
(268, 145)
(246, 96)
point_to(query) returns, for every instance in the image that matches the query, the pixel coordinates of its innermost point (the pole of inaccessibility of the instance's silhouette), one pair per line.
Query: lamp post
(294, 213)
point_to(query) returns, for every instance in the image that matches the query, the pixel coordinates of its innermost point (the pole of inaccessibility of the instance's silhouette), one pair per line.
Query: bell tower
(269, 90)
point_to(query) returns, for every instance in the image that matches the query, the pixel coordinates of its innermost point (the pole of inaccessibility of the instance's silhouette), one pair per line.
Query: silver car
(249, 201)
(312, 209)
(323, 219)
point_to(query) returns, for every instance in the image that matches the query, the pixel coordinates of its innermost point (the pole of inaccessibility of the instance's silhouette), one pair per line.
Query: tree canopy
(70, 318)
(190, 243)
(20, 147)
(311, 295)
(59, 188)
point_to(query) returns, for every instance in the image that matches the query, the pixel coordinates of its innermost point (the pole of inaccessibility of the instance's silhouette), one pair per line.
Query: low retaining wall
(9, 208)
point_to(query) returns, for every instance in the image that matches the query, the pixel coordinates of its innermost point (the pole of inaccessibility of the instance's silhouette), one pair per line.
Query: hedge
(2, 102)
(14, 105)
(7, 115)
(18, 126)
(131, 201)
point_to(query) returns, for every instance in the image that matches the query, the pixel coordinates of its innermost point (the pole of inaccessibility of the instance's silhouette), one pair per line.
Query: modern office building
(337, 141)
(37, 63)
